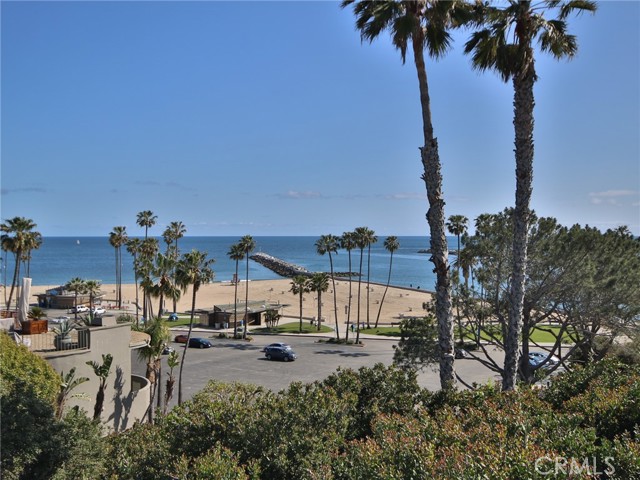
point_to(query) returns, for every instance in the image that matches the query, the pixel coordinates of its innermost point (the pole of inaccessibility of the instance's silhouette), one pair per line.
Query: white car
(80, 309)
(98, 310)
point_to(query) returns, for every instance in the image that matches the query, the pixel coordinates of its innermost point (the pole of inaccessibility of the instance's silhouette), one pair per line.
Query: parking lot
(243, 361)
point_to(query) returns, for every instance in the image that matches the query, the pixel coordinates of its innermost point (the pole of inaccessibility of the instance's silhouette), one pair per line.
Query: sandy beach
(397, 303)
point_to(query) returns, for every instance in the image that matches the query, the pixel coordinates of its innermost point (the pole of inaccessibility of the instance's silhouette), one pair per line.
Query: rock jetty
(278, 266)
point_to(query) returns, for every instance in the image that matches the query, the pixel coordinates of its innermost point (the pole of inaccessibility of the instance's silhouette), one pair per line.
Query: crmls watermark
(575, 466)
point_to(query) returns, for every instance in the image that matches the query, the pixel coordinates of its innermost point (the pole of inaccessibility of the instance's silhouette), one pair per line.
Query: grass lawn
(293, 327)
(183, 320)
(539, 335)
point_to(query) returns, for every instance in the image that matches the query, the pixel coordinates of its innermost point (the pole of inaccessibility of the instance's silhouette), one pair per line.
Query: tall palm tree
(117, 238)
(391, 244)
(174, 232)
(361, 243)
(248, 245)
(164, 285)
(149, 248)
(146, 219)
(319, 283)
(33, 241)
(77, 286)
(347, 241)
(457, 225)
(193, 269)
(365, 237)
(133, 247)
(151, 353)
(329, 244)
(235, 253)
(299, 286)
(15, 239)
(505, 43)
(423, 24)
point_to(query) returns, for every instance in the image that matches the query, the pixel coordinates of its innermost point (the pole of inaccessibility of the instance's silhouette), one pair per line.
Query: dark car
(180, 339)
(278, 344)
(200, 343)
(280, 353)
(167, 349)
(462, 353)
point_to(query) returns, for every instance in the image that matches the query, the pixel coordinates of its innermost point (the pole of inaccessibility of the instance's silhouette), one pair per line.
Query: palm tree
(33, 241)
(318, 282)
(248, 244)
(92, 287)
(329, 244)
(172, 362)
(147, 220)
(76, 285)
(15, 239)
(164, 286)
(423, 24)
(193, 269)
(144, 266)
(360, 242)
(174, 232)
(365, 237)
(235, 253)
(347, 241)
(102, 371)
(133, 247)
(299, 286)
(151, 353)
(457, 225)
(506, 45)
(117, 238)
(391, 244)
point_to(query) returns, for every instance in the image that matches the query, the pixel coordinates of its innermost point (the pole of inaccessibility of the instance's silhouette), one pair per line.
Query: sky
(274, 118)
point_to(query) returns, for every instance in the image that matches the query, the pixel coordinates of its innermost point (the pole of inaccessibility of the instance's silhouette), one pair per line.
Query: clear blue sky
(272, 118)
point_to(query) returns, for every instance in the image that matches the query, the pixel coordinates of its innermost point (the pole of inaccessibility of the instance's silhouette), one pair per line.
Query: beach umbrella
(23, 304)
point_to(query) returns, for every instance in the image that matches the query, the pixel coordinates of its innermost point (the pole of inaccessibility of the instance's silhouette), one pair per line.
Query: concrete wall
(126, 397)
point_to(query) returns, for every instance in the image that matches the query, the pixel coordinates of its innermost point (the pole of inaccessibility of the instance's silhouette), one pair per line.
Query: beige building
(127, 396)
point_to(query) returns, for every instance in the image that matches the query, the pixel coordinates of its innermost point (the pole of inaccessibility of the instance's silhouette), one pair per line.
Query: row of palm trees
(360, 238)
(503, 40)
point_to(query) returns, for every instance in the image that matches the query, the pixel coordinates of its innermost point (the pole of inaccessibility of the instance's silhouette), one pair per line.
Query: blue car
(199, 343)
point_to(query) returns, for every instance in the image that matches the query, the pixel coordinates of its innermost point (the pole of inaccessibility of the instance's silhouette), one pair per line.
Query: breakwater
(278, 266)
(287, 269)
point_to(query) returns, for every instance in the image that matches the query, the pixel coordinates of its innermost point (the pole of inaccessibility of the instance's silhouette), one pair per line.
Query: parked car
(280, 353)
(537, 358)
(277, 344)
(80, 309)
(167, 349)
(199, 343)
(60, 319)
(173, 317)
(462, 353)
(180, 339)
(98, 310)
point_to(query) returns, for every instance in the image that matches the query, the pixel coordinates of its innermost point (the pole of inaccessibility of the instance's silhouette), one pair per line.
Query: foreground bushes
(378, 424)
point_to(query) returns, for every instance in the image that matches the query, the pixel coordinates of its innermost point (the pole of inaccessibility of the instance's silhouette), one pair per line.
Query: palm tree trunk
(346, 338)
(235, 304)
(246, 301)
(335, 300)
(436, 219)
(523, 103)
(359, 284)
(16, 274)
(368, 282)
(385, 290)
(186, 347)
(301, 293)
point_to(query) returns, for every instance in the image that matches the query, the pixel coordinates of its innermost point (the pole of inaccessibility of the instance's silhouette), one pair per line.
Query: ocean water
(60, 259)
